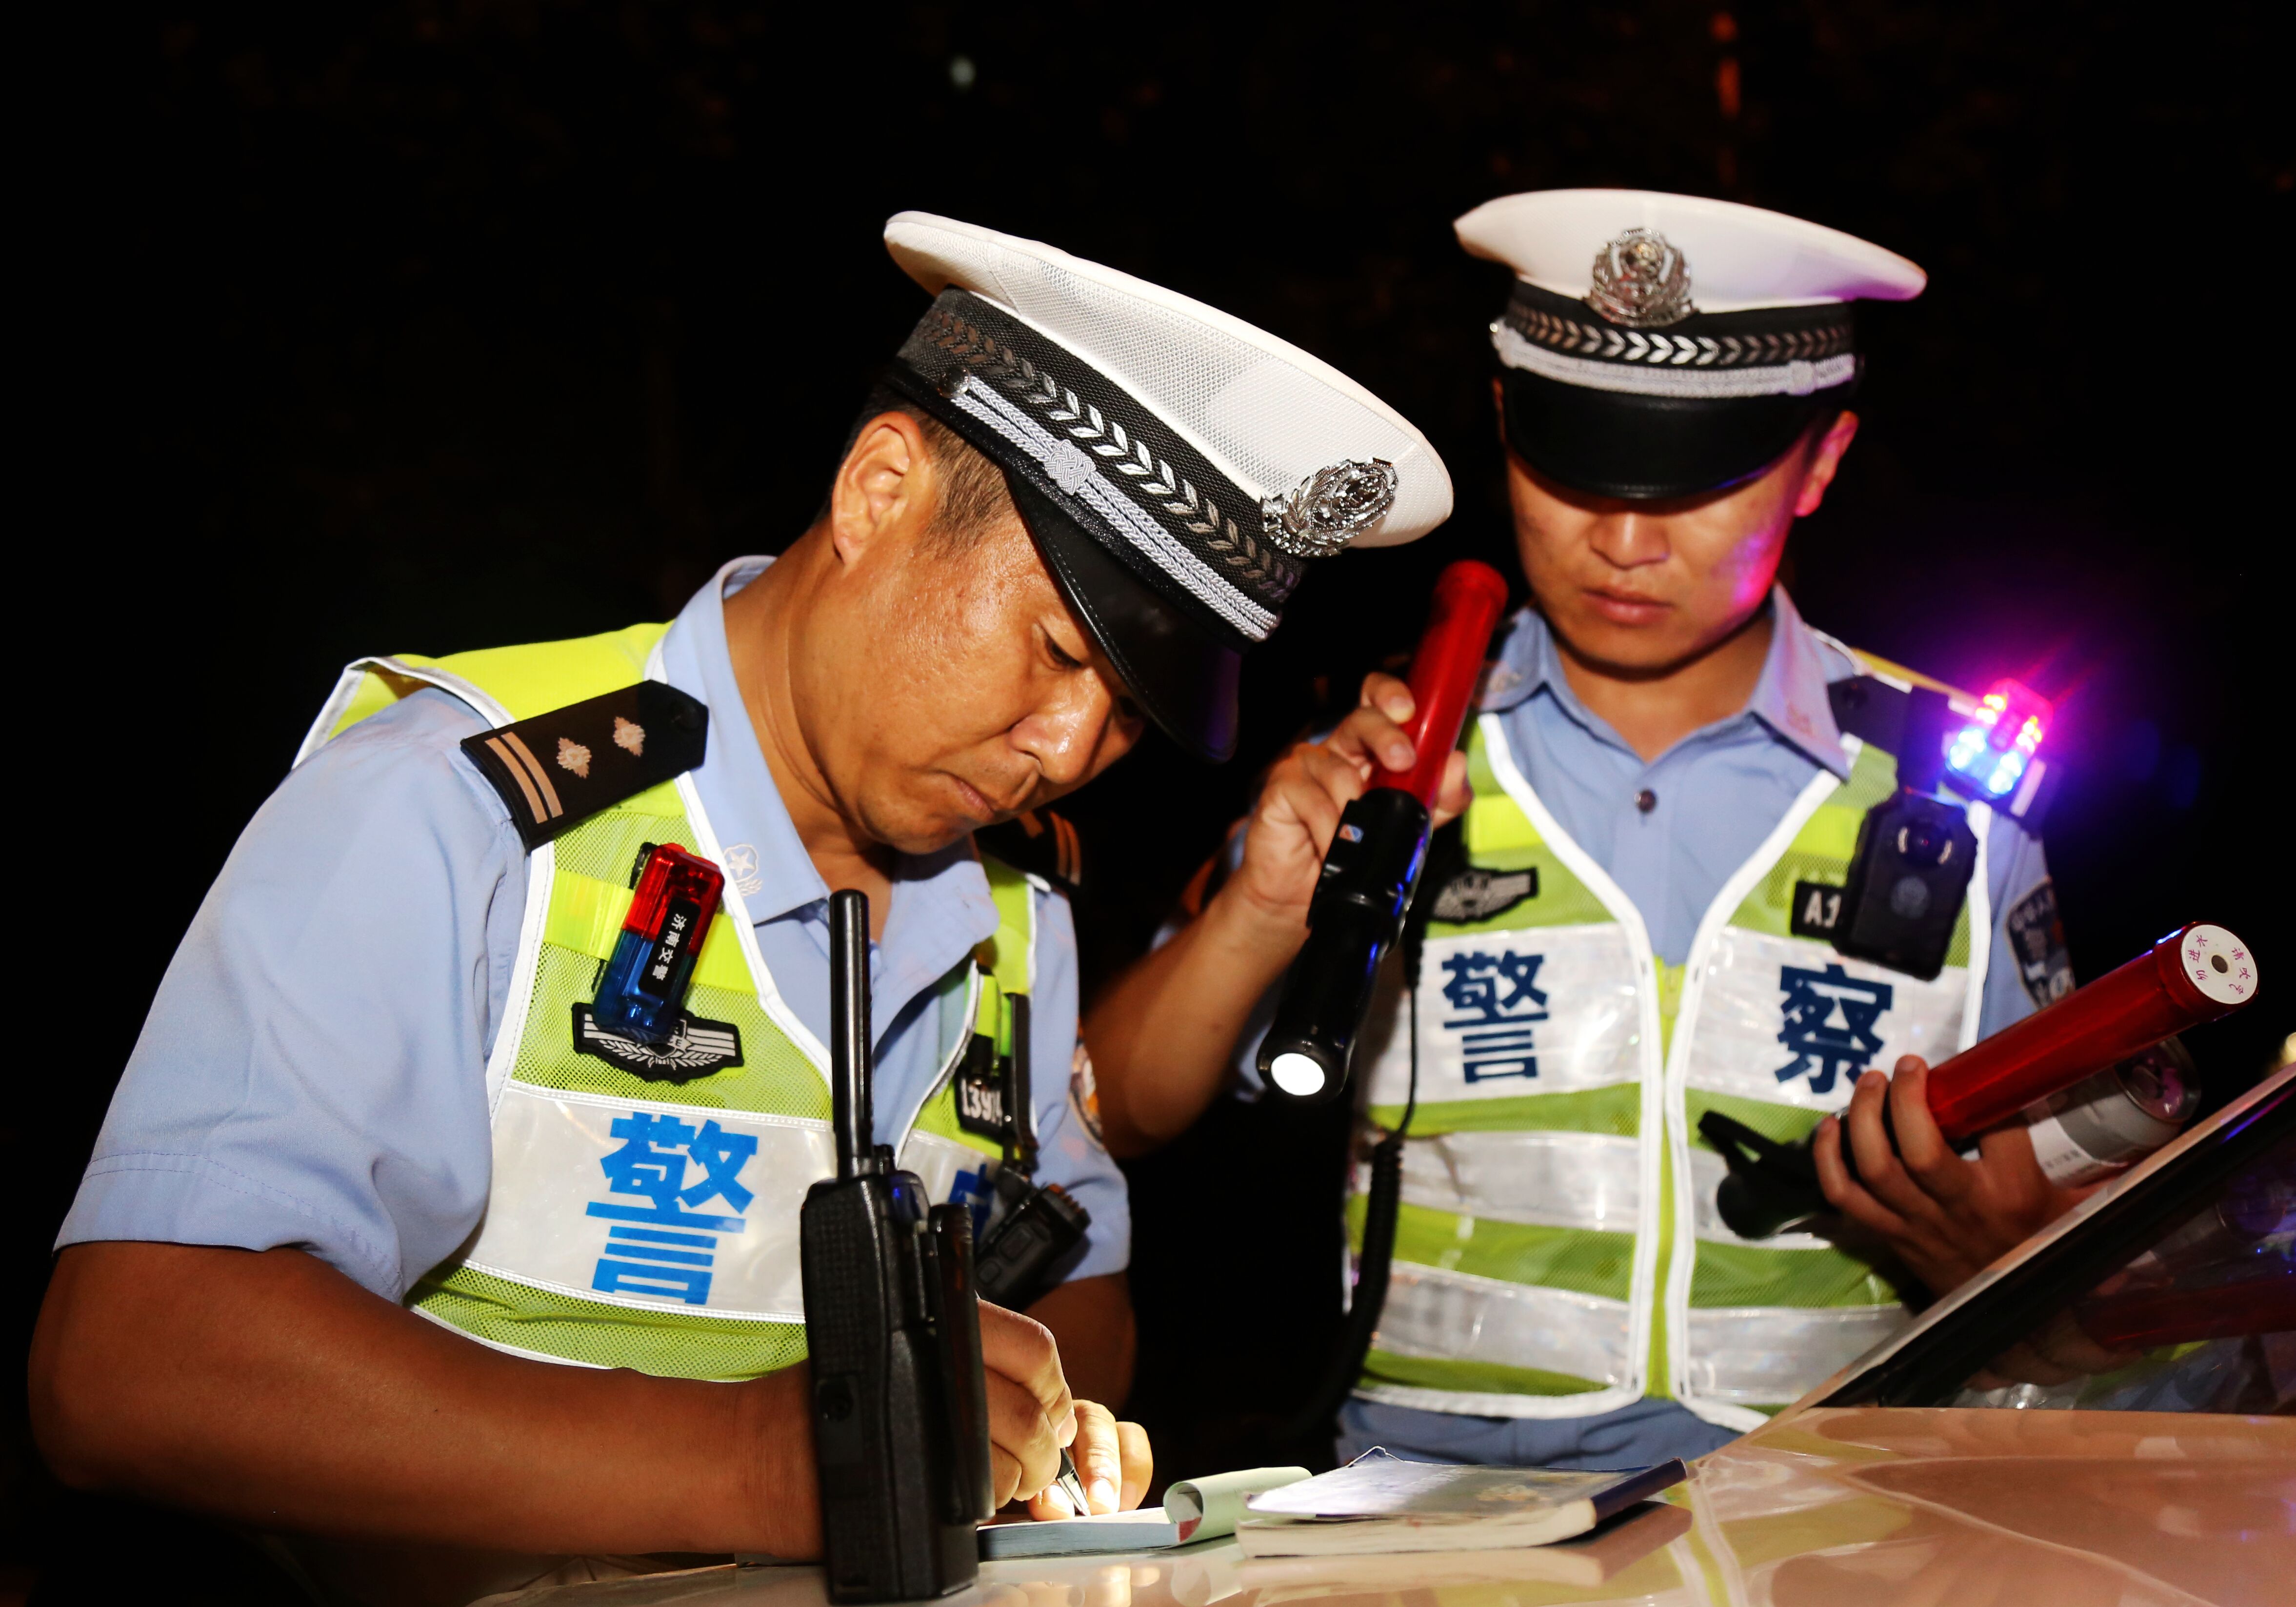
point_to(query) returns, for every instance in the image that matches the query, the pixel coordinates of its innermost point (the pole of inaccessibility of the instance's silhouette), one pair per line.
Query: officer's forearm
(269, 1390)
(1163, 1035)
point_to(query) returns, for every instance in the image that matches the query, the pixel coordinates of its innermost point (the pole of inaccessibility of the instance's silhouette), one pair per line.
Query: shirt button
(1646, 801)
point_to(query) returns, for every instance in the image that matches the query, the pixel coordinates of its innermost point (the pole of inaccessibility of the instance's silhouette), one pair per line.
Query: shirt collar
(945, 893)
(1790, 697)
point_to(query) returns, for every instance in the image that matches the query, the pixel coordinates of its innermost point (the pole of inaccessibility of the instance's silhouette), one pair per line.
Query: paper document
(1585, 1561)
(1380, 1503)
(1193, 1509)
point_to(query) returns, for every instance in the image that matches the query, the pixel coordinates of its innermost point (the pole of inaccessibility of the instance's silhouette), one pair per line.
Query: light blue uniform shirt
(313, 1070)
(1715, 796)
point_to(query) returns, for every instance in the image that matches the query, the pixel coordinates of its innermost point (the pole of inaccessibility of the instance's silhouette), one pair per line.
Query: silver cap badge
(1330, 508)
(1641, 282)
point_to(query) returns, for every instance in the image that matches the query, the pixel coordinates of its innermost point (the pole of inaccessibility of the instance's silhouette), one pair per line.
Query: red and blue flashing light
(1991, 755)
(643, 994)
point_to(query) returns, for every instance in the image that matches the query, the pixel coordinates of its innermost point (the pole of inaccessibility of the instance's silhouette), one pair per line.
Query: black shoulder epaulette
(557, 769)
(1870, 710)
(1040, 843)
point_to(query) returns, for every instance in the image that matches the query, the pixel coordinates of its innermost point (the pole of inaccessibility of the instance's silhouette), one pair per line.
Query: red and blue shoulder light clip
(1992, 755)
(675, 898)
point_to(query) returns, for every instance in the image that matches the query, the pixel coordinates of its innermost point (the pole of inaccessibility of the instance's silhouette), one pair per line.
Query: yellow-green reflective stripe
(1753, 1275)
(378, 690)
(527, 680)
(539, 677)
(586, 915)
(1657, 1378)
(666, 1344)
(1496, 824)
(1016, 920)
(1514, 1253)
(1615, 1109)
(1470, 1378)
(1781, 1124)
(1830, 831)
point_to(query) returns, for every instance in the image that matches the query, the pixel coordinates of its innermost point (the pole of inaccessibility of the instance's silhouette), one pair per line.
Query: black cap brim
(1183, 677)
(1646, 448)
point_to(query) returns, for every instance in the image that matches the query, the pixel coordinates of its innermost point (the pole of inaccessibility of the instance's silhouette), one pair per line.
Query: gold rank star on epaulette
(556, 770)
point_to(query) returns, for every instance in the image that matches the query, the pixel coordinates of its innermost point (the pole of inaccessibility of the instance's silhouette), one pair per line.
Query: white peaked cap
(1265, 413)
(1739, 258)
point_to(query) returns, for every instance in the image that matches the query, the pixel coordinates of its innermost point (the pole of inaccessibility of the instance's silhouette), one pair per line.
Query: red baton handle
(1468, 597)
(2195, 974)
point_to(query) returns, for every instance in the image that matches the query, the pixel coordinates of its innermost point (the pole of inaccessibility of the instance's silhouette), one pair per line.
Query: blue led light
(1990, 753)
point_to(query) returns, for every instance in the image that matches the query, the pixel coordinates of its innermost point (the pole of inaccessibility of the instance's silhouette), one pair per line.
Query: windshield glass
(2203, 1319)
(2176, 1293)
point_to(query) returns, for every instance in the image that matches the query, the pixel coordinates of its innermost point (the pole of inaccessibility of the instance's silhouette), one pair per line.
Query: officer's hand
(1300, 803)
(1946, 1218)
(1031, 1415)
(1112, 1461)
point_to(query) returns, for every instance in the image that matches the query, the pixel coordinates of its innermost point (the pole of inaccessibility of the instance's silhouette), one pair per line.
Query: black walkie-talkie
(1040, 1232)
(900, 1413)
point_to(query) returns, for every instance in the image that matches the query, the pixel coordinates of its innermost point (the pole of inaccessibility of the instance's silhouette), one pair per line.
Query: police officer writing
(1662, 797)
(399, 1231)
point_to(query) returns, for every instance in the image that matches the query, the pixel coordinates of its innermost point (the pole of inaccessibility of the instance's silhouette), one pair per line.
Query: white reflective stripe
(1546, 1010)
(1581, 1180)
(1738, 1040)
(1457, 1316)
(1772, 1355)
(1798, 378)
(1692, 1043)
(957, 1039)
(1707, 1171)
(1134, 522)
(938, 1162)
(1649, 1069)
(552, 1220)
(745, 931)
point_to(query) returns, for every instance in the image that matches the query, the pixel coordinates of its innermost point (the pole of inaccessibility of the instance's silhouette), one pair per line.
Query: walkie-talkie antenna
(849, 1115)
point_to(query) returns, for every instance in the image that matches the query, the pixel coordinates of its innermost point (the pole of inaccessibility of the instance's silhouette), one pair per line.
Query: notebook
(1379, 1502)
(1193, 1509)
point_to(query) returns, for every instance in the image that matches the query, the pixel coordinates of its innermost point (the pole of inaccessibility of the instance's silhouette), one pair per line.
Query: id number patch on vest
(698, 1048)
(981, 1091)
(1816, 910)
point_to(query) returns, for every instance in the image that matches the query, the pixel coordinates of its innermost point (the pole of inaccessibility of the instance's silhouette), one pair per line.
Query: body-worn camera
(1908, 882)
(900, 1412)
(1909, 873)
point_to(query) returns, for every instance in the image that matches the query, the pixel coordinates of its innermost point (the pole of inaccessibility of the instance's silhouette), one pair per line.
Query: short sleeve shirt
(312, 1072)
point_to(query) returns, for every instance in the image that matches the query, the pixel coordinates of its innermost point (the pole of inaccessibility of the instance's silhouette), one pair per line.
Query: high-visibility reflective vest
(654, 1225)
(1559, 1254)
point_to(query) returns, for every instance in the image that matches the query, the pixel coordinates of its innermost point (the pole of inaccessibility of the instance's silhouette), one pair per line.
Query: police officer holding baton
(1661, 798)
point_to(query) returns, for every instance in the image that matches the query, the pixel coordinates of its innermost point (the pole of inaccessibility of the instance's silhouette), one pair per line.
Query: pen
(1072, 1487)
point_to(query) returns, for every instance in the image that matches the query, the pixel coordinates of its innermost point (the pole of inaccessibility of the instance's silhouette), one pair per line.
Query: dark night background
(435, 326)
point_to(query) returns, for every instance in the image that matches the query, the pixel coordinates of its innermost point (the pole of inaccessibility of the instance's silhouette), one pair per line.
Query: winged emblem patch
(1475, 895)
(697, 1049)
